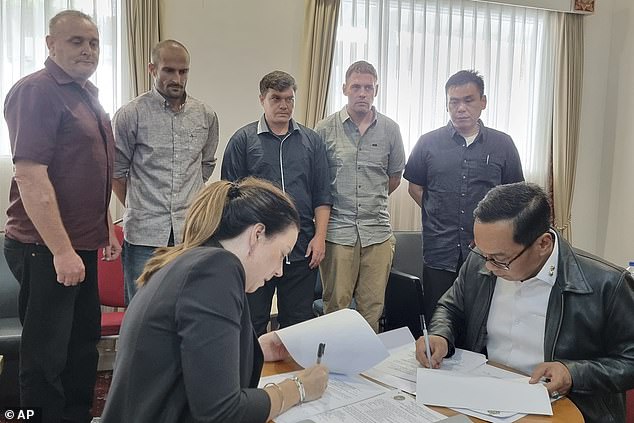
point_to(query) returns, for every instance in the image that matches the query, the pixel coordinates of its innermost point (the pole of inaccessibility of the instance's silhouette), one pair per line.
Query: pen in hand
(320, 352)
(426, 336)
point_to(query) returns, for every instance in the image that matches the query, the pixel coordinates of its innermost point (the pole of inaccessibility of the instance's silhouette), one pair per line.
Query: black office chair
(403, 303)
(405, 288)
(408, 253)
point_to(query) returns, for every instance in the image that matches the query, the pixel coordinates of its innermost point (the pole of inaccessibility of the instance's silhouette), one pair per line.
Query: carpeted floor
(101, 390)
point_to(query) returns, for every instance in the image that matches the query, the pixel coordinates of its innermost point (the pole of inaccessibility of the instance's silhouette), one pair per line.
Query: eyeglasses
(496, 263)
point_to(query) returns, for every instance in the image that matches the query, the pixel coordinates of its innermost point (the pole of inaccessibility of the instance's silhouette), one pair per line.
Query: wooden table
(564, 410)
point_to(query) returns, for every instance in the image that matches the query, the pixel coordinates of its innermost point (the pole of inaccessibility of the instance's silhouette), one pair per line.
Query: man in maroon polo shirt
(63, 151)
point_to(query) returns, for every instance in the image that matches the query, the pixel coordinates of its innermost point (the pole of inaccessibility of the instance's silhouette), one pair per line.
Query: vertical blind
(417, 44)
(23, 28)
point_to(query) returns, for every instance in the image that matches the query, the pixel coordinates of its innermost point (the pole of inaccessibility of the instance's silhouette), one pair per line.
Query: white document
(396, 338)
(491, 371)
(502, 418)
(402, 362)
(351, 344)
(392, 381)
(490, 415)
(446, 389)
(393, 341)
(463, 361)
(391, 407)
(342, 390)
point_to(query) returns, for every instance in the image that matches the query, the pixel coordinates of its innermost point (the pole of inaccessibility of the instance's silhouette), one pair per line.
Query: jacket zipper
(561, 318)
(282, 177)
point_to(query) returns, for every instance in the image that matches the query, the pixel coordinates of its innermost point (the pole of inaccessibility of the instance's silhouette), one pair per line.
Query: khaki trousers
(357, 272)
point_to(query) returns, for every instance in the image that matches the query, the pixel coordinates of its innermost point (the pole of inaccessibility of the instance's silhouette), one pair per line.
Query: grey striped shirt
(166, 157)
(360, 167)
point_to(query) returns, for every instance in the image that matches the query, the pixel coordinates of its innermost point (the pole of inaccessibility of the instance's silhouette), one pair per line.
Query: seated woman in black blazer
(187, 350)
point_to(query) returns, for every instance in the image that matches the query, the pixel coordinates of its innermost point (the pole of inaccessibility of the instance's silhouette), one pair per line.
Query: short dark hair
(278, 81)
(66, 14)
(525, 204)
(156, 51)
(465, 77)
(361, 66)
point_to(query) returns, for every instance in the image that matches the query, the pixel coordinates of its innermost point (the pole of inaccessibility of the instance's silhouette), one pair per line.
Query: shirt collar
(548, 272)
(343, 114)
(62, 78)
(159, 97)
(453, 132)
(264, 127)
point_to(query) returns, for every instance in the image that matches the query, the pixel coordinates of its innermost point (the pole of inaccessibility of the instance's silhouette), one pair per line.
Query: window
(23, 28)
(417, 44)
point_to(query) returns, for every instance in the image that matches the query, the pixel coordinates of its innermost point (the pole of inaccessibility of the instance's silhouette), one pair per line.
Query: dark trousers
(61, 328)
(295, 291)
(436, 283)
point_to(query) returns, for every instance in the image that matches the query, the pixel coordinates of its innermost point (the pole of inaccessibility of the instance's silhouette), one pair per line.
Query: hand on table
(558, 378)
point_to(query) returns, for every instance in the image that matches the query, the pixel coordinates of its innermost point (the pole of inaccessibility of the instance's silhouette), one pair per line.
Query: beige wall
(594, 144)
(603, 208)
(617, 192)
(232, 45)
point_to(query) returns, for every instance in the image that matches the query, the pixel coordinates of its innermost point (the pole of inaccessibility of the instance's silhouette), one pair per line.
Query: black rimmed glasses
(499, 264)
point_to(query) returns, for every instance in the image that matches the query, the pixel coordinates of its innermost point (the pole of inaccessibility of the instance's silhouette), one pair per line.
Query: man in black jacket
(529, 300)
(293, 157)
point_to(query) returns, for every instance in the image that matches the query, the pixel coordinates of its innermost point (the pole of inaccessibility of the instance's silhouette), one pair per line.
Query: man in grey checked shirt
(366, 158)
(166, 143)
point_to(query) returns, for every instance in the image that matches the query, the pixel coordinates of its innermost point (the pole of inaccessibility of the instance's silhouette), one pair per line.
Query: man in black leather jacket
(529, 300)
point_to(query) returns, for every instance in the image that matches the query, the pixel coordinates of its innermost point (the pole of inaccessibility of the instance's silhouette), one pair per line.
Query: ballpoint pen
(320, 352)
(427, 348)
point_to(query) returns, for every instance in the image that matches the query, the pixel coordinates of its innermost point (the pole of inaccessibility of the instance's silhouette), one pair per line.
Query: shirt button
(461, 228)
(458, 245)
(464, 176)
(462, 211)
(462, 195)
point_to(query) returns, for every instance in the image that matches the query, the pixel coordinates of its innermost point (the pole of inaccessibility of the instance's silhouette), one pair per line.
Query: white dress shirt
(517, 318)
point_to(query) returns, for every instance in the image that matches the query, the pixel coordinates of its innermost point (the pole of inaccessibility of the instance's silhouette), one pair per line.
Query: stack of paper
(465, 382)
(450, 389)
(400, 370)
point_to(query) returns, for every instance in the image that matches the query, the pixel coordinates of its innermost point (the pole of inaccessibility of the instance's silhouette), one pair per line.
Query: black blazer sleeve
(209, 321)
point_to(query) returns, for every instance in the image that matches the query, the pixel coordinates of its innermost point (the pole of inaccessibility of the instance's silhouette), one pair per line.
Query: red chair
(111, 290)
(629, 405)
